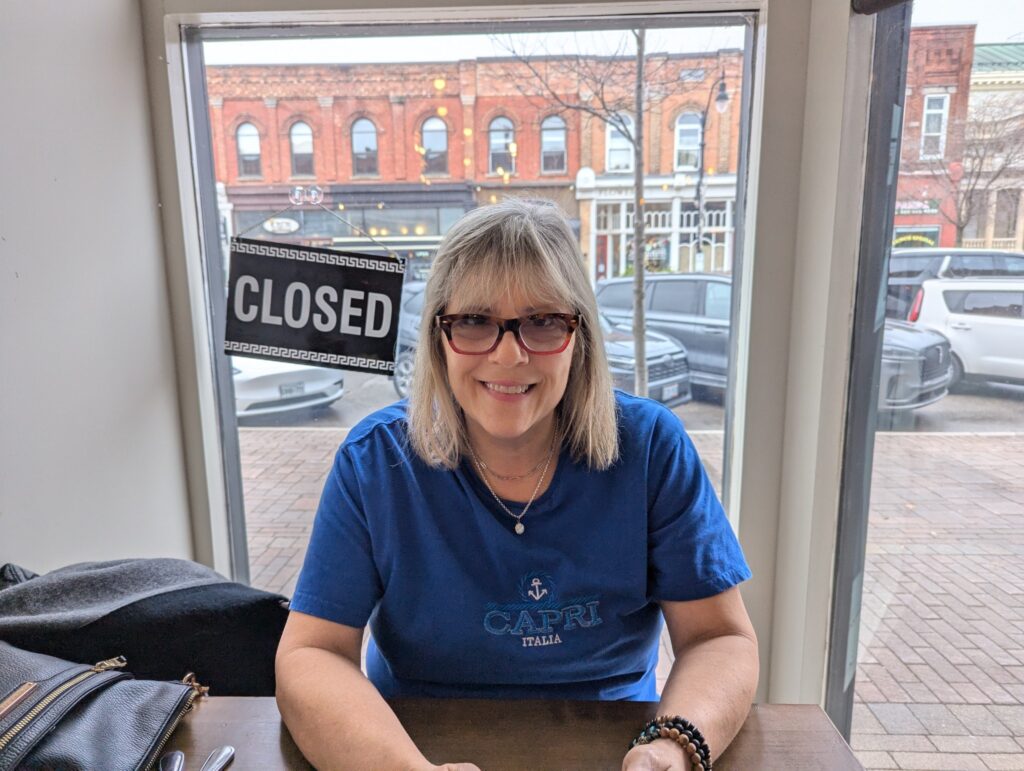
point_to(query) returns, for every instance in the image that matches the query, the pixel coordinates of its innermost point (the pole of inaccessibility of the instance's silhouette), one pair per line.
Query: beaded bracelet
(681, 731)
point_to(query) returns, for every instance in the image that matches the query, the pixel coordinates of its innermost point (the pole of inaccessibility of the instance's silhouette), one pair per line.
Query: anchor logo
(536, 592)
(537, 585)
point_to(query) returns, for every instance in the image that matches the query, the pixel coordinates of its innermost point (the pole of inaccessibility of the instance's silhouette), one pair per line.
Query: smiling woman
(513, 478)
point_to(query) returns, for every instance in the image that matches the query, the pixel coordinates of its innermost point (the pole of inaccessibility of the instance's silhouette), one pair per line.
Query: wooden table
(532, 735)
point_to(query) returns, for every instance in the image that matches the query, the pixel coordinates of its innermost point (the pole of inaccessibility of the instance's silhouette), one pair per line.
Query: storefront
(676, 240)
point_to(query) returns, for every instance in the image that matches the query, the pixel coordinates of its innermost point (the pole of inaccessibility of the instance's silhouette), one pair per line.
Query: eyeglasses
(540, 333)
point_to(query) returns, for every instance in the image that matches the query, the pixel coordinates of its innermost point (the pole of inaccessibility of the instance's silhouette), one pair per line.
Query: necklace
(511, 478)
(520, 528)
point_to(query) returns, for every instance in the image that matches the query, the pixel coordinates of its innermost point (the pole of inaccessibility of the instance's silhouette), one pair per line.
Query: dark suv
(909, 268)
(694, 309)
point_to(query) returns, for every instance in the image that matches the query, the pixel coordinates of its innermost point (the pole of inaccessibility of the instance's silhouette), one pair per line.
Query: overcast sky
(998, 21)
(445, 48)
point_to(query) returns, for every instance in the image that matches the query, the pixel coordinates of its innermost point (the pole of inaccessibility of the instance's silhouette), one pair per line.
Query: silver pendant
(520, 528)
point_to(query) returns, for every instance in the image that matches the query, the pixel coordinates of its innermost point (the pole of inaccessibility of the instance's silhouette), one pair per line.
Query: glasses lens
(473, 335)
(544, 333)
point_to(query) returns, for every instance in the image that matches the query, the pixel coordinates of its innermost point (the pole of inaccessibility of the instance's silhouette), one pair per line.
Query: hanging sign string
(314, 195)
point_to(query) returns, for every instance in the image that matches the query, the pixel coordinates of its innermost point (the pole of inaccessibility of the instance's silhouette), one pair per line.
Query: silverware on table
(219, 758)
(173, 761)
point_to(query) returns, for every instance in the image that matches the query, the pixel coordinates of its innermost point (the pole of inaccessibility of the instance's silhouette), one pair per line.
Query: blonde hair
(505, 249)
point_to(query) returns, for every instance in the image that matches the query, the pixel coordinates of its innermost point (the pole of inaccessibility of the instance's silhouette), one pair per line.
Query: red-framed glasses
(541, 333)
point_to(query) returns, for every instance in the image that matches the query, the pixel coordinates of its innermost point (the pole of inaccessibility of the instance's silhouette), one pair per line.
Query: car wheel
(958, 373)
(402, 378)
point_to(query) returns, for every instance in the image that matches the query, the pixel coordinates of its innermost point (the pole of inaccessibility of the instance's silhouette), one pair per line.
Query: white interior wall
(91, 458)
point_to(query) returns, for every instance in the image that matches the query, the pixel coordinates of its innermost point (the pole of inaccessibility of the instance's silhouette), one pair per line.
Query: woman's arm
(712, 681)
(336, 716)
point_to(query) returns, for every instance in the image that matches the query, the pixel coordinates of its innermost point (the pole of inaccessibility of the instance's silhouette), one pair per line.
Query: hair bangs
(529, 281)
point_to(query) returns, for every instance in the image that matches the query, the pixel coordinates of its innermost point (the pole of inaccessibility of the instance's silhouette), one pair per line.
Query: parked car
(668, 372)
(263, 387)
(909, 268)
(694, 309)
(984, 321)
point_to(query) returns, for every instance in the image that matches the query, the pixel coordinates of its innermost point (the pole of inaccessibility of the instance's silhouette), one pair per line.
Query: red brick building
(935, 118)
(402, 150)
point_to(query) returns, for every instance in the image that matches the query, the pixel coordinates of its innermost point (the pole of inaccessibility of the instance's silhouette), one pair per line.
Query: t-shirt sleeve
(692, 550)
(339, 579)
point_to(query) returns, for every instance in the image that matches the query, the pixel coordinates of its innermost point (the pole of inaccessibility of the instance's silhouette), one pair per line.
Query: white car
(984, 321)
(263, 387)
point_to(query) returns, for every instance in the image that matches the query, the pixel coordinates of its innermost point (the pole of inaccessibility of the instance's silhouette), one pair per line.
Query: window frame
(241, 158)
(677, 145)
(292, 154)
(782, 458)
(563, 129)
(610, 130)
(941, 134)
(356, 154)
(492, 167)
(423, 143)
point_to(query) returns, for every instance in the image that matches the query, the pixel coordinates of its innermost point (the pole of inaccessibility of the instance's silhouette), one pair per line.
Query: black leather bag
(55, 714)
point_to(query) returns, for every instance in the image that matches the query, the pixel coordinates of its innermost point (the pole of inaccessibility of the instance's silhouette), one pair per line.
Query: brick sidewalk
(940, 681)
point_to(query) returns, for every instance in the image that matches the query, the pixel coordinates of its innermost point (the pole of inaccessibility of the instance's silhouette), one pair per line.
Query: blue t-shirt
(461, 606)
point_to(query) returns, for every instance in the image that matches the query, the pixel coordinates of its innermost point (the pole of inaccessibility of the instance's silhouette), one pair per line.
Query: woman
(518, 529)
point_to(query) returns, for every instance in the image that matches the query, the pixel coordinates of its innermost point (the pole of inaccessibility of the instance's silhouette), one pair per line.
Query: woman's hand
(659, 755)
(456, 767)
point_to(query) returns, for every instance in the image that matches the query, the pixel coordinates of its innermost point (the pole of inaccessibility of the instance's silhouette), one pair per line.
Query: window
(502, 146)
(1014, 265)
(617, 295)
(1008, 305)
(688, 141)
(907, 266)
(248, 140)
(619, 147)
(301, 136)
(966, 265)
(364, 148)
(552, 145)
(676, 297)
(414, 305)
(435, 146)
(933, 126)
(717, 300)
(1007, 206)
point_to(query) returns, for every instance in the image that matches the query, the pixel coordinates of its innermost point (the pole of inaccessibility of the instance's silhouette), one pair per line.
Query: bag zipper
(103, 666)
(197, 691)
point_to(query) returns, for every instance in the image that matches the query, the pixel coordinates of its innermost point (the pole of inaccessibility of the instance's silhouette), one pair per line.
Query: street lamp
(721, 102)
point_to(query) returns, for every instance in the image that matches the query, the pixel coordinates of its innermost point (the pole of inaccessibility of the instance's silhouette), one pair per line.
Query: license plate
(670, 391)
(292, 389)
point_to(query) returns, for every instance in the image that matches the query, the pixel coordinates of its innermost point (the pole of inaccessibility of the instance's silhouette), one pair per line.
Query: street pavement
(940, 677)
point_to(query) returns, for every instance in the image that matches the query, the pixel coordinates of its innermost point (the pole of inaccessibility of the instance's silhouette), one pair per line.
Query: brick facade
(466, 96)
(939, 66)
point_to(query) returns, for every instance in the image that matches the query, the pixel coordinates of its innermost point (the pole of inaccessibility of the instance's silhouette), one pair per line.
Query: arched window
(301, 136)
(502, 146)
(688, 139)
(552, 144)
(364, 147)
(619, 147)
(435, 146)
(248, 140)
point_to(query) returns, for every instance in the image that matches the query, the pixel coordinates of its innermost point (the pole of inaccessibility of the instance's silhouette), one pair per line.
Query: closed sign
(313, 306)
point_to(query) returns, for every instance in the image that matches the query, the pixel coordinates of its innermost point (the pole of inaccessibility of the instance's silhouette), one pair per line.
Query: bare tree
(618, 90)
(991, 141)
